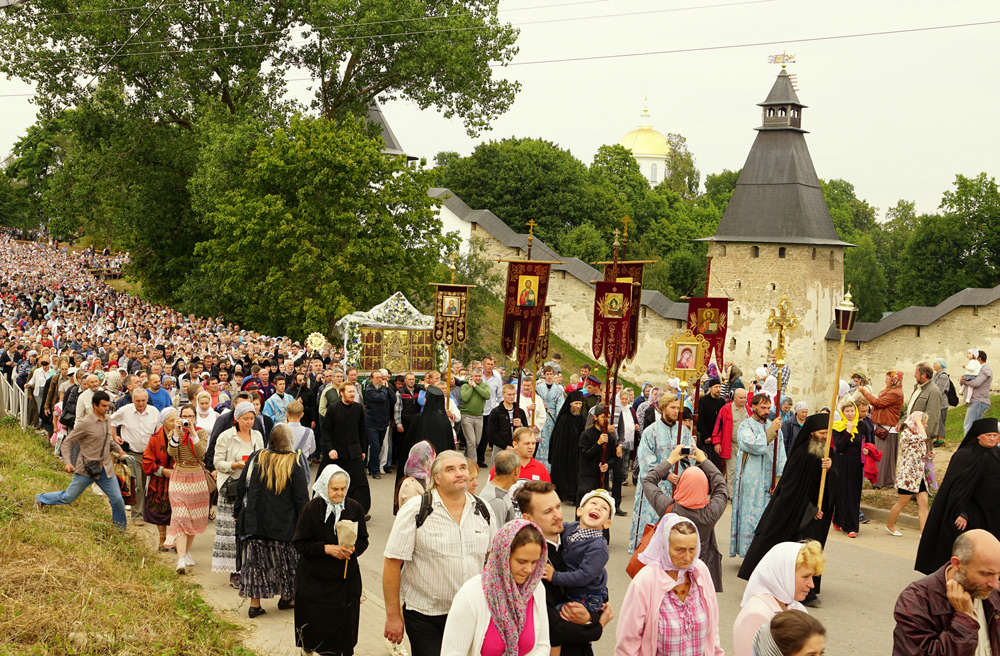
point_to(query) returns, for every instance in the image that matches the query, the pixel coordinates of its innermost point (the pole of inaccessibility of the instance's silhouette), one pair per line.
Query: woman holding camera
(188, 489)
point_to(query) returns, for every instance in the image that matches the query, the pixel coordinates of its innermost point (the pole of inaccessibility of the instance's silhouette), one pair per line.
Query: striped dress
(188, 490)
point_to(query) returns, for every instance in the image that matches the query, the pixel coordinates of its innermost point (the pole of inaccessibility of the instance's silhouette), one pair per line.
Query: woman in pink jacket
(670, 606)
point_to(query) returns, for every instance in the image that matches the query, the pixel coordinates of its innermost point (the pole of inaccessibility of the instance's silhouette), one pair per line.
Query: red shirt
(533, 471)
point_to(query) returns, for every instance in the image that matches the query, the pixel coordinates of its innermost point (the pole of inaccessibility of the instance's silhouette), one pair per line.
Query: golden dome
(645, 141)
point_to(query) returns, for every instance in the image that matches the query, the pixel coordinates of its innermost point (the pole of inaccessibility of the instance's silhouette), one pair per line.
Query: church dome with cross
(649, 148)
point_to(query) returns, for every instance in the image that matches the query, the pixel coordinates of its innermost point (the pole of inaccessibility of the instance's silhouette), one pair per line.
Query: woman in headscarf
(943, 382)
(271, 493)
(911, 472)
(564, 446)
(328, 579)
(188, 490)
(701, 495)
(848, 440)
(206, 415)
(781, 581)
(431, 426)
(416, 474)
(791, 633)
(733, 381)
(885, 414)
(232, 450)
(790, 427)
(502, 612)
(670, 607)
(158, 467)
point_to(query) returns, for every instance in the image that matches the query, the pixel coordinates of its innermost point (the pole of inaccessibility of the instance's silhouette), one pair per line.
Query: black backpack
(68, 417)
(426, 508)
(951, 394)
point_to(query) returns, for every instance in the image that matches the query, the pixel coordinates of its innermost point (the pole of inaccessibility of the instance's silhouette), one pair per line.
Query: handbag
(213, 487)
(228, 491)
(94, 468)
(881, 432)
(634, 564)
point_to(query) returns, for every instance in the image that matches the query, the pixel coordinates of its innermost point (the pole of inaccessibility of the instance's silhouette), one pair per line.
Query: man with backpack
(419, 595)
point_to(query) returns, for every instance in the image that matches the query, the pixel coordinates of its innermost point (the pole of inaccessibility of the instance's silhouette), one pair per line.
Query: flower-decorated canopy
(393, 335)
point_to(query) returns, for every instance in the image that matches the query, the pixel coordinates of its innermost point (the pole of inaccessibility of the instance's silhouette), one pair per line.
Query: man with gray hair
(926, 398)
(496, 493)
(136, 423)
(83, 405)
(955, 610)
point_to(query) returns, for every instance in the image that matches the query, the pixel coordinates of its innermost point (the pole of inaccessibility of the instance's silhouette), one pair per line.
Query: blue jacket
(379, 406)
(585, 561)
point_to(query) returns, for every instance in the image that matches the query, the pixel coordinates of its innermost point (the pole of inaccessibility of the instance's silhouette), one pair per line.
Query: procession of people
(275, 449)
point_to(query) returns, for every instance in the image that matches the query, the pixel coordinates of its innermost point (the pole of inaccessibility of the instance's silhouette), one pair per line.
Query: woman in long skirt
(189, 498)
(328, 580)
(159, 467)
(232, 450)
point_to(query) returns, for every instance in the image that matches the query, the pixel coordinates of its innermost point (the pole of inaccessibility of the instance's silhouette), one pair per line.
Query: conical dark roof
(777, 197)
(392, 146)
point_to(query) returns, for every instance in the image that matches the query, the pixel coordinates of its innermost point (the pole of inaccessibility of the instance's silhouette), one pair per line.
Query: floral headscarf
(915, 422)
(506, 600)
(418, 463)
(895, 378)
(658, 551)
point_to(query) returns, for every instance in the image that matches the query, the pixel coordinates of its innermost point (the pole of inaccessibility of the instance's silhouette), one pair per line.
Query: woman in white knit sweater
(502, 611)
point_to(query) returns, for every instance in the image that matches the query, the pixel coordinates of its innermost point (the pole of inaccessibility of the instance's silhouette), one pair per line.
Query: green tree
(974, 204)
(586, 243)
(719, 187)
(524, 179)
(934, 263)
(321, 225)
(889, 238)
(864, 275)
(615, 167)
(851, 216)
(684, 177)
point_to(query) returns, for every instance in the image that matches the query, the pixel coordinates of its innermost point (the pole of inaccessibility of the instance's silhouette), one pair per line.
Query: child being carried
(586, 552)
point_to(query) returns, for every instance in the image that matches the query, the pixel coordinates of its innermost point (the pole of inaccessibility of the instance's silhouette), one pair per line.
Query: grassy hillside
(72, 583)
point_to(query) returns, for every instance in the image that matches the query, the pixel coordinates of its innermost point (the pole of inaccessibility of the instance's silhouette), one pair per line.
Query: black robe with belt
(431, 426)
(789, 515)
(344, 432)
(589, 477)
(970, 489)
(327, 595)
(564, 448)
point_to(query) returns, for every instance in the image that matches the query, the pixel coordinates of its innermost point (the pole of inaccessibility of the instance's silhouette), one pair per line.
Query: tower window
(814, 253)
(738, 284)
(773, 287)
(755, 251)
(737, 312)
(781, 251)
(723, 250)
(831, 260)
(652, 173)
(795, 113)
(732, 343)
(782, 112)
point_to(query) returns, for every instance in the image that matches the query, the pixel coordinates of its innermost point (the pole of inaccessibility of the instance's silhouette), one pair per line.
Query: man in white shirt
(136, 423)
(437, 561)
(38, 380)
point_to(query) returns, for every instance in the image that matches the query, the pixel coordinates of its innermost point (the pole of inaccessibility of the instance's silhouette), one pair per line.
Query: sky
(898, 115)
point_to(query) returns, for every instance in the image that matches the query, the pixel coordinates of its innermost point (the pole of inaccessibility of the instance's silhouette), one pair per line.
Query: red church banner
(612, 312)
(709, 317)
(524, 306)
(629, 272)
(450, 308)
(542, 348)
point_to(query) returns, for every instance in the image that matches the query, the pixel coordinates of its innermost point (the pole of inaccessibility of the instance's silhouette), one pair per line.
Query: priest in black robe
(564, 451)
(969, 496)
(345, 444)
(708, 413)
(431, 426)
(792, 514)
(598, 451)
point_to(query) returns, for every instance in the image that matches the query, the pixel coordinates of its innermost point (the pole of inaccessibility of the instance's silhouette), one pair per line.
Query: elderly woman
(328, 579)
(911, 471)
(943, 382)
(502, 612)
(781, 581)
(885, 414)
(232, 450)
(790, 427)
(416, 473)
(670, 607)
(188, 489)
(271, 493)
(700, 496)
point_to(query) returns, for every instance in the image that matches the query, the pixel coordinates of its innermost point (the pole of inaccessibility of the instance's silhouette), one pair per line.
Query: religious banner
(629, 272)
(450, 308)
(612, 314)
(686, 356)
(542, 348)
(709, 318)
(527, 284)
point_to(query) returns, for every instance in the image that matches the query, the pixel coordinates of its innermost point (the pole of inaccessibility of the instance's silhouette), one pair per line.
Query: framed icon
(527, 291)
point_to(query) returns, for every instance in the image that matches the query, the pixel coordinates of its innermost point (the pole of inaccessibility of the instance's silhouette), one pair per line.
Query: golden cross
(626, 221)
(782, 321)
(454, 256)
(531, 227)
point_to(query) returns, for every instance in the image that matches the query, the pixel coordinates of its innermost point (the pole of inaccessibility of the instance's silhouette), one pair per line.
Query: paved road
(864, 577)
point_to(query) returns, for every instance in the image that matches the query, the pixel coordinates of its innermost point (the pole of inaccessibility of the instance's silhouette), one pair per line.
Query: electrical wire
(416, 32)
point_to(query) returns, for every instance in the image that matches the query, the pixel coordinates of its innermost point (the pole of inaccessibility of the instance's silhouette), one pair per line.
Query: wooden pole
(609, 392)
(680, 420)
(829, 426)
(697, 389)
(774, 460)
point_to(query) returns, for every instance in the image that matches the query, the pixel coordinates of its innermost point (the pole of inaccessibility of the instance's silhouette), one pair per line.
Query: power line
(412, 33)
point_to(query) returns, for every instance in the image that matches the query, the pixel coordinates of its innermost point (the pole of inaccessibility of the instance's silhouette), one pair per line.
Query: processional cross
(782, 321)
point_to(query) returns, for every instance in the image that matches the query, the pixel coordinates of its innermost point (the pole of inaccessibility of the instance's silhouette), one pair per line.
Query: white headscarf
(320, 487)
(658, 551)
(760, 373)
(775, 575)
(770, 387)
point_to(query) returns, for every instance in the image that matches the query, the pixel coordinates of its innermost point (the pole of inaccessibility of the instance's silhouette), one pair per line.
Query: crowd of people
(191, 421)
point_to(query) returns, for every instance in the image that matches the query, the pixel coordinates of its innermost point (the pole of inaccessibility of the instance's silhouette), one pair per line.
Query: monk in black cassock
(597, 444)
(564, 446)
(432, 425)
(708, 413)
(792, 514)
(969, 496)
(344, 436)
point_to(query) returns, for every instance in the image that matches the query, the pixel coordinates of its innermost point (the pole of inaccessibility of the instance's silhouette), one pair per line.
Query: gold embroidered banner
(612, 313)
(542, 348)
(524, 305)
(629, 272)
(450, 309)
(709, 317)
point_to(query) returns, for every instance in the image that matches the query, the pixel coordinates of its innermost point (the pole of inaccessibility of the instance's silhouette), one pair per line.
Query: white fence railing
(14, 401)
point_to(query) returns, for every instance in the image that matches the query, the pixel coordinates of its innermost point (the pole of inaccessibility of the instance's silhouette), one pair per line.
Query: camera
(686, 450)
(185, 423)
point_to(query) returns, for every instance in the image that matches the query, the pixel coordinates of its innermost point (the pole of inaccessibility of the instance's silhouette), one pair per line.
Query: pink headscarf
(658, 551)
(692, 490)
(506, 600)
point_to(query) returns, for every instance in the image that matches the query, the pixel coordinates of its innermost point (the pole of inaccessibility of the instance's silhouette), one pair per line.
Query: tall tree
(683, 176)
(719, 187)
(889, 238)
(615, 167)
(866, 279)
(318, 200)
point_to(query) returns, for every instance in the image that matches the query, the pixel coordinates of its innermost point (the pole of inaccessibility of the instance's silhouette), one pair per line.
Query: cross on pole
(782, 321)
(531, 234)
(453, 256)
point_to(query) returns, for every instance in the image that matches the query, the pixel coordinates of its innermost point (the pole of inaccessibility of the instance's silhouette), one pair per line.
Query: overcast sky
(898, 115)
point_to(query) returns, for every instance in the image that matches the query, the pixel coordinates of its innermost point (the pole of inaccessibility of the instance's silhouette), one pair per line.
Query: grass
(127, 285)
(72, 583)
